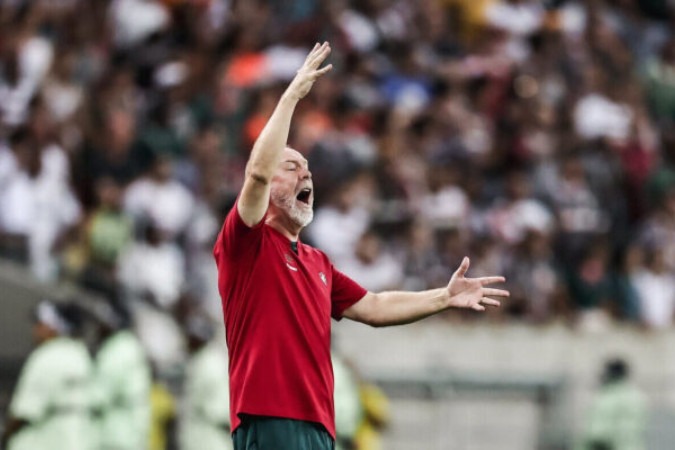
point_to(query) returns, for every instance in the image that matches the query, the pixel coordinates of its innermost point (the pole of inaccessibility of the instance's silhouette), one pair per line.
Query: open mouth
(303, 195)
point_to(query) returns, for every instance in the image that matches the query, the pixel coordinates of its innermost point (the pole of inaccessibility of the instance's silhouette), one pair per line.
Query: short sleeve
(235, 236)
(344, 293)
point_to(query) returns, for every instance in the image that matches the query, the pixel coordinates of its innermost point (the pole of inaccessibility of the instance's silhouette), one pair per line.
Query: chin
(302, 215)
(304, 219)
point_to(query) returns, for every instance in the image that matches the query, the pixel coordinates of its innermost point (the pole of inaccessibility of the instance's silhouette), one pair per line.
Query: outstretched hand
(310, 72)
(471, 292)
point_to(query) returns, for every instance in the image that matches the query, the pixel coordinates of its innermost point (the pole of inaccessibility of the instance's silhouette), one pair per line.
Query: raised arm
(398, 308)
(268, 148)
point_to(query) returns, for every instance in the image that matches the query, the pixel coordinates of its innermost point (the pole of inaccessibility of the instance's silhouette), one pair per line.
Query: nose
(306, 174)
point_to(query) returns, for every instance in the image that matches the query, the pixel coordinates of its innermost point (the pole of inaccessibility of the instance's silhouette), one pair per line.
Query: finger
(315, 51)
(497, 292)
(478, 307)
(312, 54)
(324, 70)
(463, 267)
(320, 55)
(490, 301)
(490, 280)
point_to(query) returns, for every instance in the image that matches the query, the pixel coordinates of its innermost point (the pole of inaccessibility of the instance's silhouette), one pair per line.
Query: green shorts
(275, 433)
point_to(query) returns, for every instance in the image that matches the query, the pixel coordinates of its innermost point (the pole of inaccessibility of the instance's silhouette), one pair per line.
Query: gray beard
(300, 217)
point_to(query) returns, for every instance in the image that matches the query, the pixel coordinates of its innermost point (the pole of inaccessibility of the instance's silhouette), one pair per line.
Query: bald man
(279, 294)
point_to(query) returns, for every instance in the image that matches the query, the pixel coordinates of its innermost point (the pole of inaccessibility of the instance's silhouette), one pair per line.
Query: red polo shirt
(277, 307)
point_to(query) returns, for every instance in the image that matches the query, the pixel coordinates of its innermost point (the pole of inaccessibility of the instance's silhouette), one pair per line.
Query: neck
(285, 226)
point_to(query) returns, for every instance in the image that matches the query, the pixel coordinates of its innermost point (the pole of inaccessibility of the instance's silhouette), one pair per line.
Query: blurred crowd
(535, 136)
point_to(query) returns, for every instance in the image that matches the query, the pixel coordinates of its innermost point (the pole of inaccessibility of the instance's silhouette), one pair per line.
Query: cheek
(281, 192)
(283, 184)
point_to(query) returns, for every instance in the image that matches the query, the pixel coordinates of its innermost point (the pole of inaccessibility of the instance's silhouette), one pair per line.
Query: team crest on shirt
(290, 262)
(323, 278)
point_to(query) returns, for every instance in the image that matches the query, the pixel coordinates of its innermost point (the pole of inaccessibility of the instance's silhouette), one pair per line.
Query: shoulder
(311, 250)
(124, 343)
(317, 255)
(57, 354)
(236, 238)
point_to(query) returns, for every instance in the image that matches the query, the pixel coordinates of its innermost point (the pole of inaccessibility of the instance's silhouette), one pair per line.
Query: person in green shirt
(51, 405)
(205, 418)
(617, 419)
(123, 380)
(348, 410)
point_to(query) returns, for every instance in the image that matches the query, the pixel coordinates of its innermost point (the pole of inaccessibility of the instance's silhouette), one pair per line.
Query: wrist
(445, 298)
(289, 97)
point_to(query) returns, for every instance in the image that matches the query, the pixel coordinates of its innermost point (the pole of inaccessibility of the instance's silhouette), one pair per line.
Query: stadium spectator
(348, 408)
(122, 384)
(434, 105)
(161, 199)
(371, 265)
(655, 289)
(162, 415)
(152, 277)
(444, 128)
(37, 206)
(205, 415)
(534, 279)
(618, 416)
(52, 404)
(341, 221)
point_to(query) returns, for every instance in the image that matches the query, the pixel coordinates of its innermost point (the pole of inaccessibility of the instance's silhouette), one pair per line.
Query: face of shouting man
(292, 191)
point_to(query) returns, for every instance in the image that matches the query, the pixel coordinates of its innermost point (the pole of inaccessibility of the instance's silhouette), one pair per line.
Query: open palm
(309, 72)
(472, 292)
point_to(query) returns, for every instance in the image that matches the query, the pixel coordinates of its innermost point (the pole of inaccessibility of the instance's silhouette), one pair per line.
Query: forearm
(268, 148)
(399, 308)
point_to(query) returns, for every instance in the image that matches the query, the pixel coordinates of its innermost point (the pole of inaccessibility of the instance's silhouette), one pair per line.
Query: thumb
(463, 267)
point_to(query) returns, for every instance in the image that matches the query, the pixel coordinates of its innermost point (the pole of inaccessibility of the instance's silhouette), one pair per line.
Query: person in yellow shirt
(162, 414)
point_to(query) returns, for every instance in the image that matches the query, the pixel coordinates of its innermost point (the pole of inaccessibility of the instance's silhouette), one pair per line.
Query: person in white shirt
(158, 196)
(655, 286)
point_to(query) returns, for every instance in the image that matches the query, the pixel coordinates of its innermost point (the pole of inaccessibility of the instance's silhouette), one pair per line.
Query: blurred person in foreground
(279, 294)
(348, 409)
(162, 414)
(51, 406)
(618, 416)
(205, 421)
(123, 380)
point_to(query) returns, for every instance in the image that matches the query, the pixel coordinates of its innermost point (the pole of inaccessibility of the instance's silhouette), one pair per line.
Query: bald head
(295, 156)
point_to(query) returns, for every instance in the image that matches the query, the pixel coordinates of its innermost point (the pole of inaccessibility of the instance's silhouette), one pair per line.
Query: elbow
(373, 319)
(369, 311)
(366, 317)
(377, 324)
(373, 323)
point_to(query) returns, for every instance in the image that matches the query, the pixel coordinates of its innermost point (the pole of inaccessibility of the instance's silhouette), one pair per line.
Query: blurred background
(535, 136)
